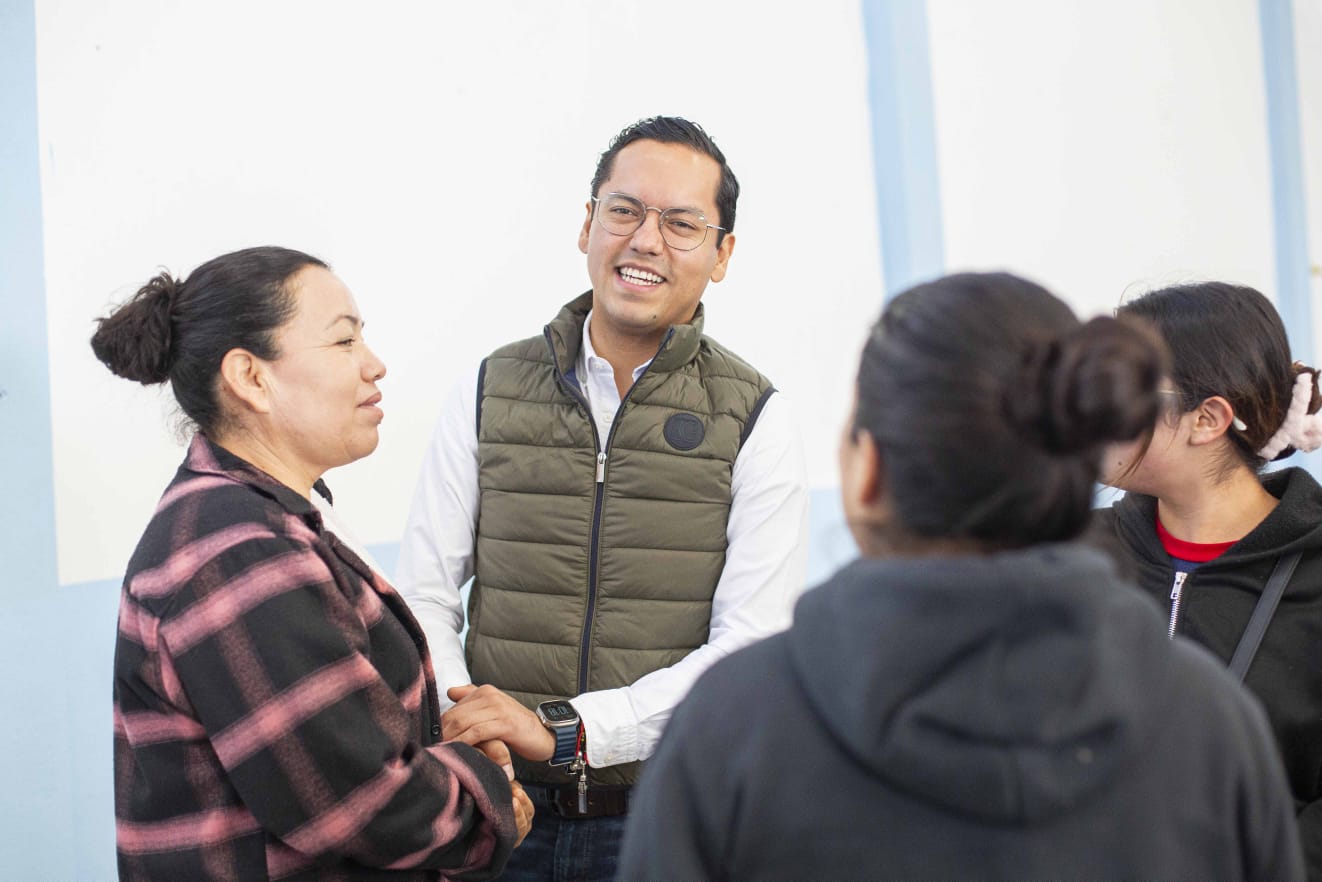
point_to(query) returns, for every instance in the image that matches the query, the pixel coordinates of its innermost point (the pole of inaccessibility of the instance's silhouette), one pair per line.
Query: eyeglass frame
(1235, 419)
(660, 215)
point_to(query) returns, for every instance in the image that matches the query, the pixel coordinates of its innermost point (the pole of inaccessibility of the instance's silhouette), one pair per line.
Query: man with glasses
(628, 496)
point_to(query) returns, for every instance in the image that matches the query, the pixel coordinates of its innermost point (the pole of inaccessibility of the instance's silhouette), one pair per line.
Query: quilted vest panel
(548, 618)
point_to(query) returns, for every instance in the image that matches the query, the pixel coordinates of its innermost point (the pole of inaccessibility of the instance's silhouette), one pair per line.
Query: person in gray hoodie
(976, 696)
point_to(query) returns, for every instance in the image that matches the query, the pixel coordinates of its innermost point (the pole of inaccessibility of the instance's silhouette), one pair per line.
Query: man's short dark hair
(675, 130)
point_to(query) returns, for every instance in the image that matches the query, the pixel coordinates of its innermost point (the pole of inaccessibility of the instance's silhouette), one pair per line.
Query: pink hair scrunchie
(1301, 430)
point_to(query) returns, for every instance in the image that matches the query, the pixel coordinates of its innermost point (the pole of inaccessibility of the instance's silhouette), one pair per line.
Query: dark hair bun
(1315, 403)
(134, 340)
(1095, 384)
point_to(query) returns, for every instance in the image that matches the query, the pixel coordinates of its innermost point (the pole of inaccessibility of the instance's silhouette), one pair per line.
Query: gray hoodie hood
(1008, 687)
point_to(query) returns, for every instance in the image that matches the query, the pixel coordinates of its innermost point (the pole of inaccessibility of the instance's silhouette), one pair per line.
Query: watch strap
(566, 745)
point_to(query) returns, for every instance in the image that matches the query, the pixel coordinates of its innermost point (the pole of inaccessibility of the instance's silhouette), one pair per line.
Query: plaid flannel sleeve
(309, 691)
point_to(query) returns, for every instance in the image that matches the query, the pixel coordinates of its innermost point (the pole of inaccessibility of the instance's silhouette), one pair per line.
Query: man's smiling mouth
(639, 276)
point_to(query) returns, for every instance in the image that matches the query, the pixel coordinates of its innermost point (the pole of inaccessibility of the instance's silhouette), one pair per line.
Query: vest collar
(565, 335)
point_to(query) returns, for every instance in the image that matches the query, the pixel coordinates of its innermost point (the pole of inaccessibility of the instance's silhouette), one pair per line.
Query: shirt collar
(208, 458)
(588, 357)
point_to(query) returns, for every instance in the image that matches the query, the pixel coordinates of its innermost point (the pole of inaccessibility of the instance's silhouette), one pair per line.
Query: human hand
(498, 753)
(484, 713)
(523, 811)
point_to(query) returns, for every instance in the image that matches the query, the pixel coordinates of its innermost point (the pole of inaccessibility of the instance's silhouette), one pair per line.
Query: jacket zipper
(585, 638)
(1177, 592)
(599, 497)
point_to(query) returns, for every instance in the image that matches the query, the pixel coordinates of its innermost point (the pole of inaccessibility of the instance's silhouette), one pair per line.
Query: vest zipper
(1177, 591)
(598, 498)
(585, 640)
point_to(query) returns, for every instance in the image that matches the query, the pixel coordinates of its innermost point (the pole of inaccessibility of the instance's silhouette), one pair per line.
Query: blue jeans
(566, 850)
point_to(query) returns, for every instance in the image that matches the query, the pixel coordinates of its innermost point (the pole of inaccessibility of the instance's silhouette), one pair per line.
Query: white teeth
(641, 276)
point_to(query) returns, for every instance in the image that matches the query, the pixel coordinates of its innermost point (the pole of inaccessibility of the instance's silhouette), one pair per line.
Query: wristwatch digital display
(560, 717)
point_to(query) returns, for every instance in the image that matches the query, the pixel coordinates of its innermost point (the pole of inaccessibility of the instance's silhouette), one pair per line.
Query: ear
(1212, 419)
(243, 375)
(587, 229)
(723, 257)
(862, 472)
(872, 472)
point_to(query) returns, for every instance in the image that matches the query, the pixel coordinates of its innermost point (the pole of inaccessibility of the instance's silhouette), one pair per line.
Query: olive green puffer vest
(593, 570)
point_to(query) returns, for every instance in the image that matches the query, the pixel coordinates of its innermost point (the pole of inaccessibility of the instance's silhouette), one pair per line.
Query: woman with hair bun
(1216, 540)
(978, 696)
(275, 710)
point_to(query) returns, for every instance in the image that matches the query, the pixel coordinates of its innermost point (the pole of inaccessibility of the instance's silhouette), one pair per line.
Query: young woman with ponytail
(978, 696)
(1218, 541)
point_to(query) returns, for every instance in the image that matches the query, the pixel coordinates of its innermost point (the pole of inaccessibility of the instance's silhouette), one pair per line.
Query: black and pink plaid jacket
(276, 716)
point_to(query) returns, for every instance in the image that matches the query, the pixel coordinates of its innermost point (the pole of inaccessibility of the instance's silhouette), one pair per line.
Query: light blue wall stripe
(904, 142)
(57, 649)
(1287, 173)
(27, 514)
(1289, 188)
(56, 643)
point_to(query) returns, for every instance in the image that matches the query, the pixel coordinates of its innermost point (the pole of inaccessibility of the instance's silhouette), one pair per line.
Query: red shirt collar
(1196, 552)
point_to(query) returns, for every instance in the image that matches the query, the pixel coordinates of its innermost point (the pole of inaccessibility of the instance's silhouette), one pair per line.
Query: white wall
(1103, 148)
(1098, 149)
(392, 144)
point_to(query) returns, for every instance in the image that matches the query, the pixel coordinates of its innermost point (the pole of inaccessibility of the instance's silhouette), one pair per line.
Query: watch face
(558, 711)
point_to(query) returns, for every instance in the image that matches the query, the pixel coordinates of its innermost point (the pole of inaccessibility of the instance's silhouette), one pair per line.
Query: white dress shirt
(330, 519)
(764, 571)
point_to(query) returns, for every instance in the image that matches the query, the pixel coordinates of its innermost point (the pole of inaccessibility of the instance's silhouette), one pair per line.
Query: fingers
(474, 732)
(523, 811)
(498, 753)
(484, 713)
(459, 693)
(477, 709)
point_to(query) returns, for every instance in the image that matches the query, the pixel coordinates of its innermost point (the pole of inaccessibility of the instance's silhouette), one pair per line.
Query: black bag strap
(1262, 615)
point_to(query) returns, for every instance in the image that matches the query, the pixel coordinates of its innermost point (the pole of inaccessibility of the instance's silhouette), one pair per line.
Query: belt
(603, 802)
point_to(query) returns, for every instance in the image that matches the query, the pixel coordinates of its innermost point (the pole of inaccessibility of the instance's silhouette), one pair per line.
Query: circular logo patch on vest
(684, 431)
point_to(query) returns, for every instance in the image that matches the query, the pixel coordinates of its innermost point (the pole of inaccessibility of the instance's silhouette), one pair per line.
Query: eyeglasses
(681, 228)
(1174, 401)
(1235, 419)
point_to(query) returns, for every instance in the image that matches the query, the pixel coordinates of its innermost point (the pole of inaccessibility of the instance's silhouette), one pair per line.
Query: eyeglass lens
(681, 228)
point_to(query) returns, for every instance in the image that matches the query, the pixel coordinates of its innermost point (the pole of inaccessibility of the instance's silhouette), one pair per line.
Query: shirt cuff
(610, 726)
(449, 672)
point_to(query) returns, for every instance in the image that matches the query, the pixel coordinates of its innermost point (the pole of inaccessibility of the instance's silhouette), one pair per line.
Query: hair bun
(1315, 400)
(1095, 384)
(134, 341)
(1301, 430)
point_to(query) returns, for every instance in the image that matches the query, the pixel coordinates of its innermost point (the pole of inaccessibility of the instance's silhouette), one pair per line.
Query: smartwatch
(560, 717)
